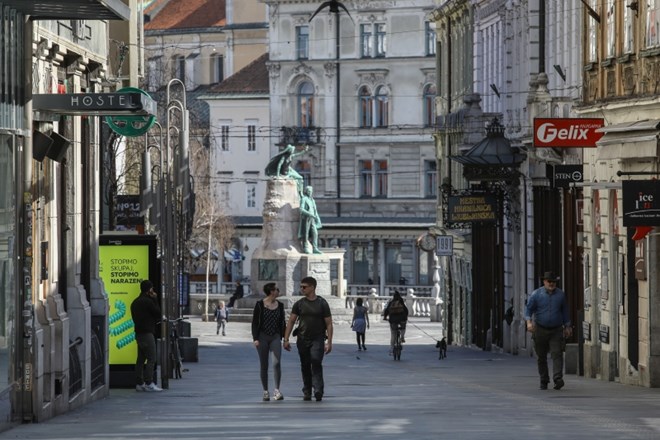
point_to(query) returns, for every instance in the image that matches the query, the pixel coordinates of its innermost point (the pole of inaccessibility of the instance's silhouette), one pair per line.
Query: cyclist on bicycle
(397, 313)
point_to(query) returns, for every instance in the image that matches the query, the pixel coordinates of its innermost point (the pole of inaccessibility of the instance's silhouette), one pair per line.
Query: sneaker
(543, 386)
(403, 340)
(152, 387)
(307, 395)
(559, 384)
(364, 348)
(266, 396)
(359, 348)
(277, 395)
(318, 396)
(140, 387)
(223, 334)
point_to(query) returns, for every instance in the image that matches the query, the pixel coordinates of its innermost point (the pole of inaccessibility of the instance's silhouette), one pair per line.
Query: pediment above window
(373, 77)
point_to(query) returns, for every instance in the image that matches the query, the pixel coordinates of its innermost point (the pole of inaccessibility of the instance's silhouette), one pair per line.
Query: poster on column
(123, 263)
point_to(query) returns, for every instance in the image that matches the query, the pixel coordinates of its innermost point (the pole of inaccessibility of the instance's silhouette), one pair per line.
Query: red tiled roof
(184, 14)
(252, 78)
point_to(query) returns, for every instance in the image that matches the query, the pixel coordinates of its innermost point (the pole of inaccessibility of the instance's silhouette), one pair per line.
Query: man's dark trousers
(549, 340)
(311, 358)
(146, 344)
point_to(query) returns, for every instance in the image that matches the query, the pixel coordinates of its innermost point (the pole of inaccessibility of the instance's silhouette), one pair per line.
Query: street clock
(427, 242)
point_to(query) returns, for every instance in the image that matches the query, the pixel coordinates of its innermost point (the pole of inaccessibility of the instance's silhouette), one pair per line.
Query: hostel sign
(641, 202)
(472, 208)
(97, 104)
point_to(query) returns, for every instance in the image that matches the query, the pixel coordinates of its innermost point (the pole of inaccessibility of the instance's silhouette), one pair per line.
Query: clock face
(427, 243)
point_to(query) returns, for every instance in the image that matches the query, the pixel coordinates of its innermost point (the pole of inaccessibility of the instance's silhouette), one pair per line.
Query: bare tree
(212, 229)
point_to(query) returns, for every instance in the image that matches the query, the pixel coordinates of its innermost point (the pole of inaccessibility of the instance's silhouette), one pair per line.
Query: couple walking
(313, 337)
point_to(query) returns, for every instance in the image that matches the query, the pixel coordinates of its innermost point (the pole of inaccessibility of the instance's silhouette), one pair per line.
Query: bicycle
(176, 361)
(398, 345)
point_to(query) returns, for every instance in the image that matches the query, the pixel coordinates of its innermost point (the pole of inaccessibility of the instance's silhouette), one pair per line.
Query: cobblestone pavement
(470, 395)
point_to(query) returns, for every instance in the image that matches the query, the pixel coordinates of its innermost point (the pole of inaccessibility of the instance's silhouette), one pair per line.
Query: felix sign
(567, 132)
(641, 202)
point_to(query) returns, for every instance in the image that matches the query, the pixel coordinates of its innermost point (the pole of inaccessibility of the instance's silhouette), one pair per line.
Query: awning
(71, 9)
(629, 140)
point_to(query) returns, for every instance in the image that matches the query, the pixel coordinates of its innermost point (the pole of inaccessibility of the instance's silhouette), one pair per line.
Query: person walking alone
(145, 314)
(221, 318)
(548, 321)
(360, 323)
(314, 325)
(268, 323)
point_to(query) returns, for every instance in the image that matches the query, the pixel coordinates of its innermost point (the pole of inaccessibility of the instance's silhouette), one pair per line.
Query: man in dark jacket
(146, 314)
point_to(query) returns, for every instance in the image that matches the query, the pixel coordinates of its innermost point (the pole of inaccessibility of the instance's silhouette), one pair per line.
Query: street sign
(445, 246)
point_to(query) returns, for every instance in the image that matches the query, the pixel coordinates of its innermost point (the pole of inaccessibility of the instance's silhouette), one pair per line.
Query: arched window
(306, 105)
(429, 105)
(382, 107)
(365, 107)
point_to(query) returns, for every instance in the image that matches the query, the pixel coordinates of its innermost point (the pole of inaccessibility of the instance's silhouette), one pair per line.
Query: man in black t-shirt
(314, 325)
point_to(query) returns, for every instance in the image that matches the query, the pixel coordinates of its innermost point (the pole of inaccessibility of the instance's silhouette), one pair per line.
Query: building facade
(621, 66)
(358, 88)
(54, 308)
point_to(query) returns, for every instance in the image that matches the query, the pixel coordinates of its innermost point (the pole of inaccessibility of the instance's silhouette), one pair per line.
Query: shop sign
(472, 208)
(586, 331)
(564, 175)
(604, 334)
(567, 132)
(641, 203)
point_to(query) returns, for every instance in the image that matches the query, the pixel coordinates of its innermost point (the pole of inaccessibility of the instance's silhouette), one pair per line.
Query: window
(224, 137)
(628, 16)
(306, 105)
(373, 178)
(217, 68)
(179, 67)
(360, 263)
(381, 40)
(224, 192)
(652, 23)
(430, 178)
(382, 107)
(393, 264)
(304, 168)
(366, 48)
(302, 42)
(429, 105)
(592, 29)
(373, 40)
(154, 73)
(251, 195)
(366, 105)
(611, 42)
(429, 38)
(252, 138)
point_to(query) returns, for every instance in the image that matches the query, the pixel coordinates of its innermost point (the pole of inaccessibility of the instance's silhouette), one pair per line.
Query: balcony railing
(300, 136)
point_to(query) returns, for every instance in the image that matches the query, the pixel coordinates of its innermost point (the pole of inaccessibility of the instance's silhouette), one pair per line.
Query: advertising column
(124, 261)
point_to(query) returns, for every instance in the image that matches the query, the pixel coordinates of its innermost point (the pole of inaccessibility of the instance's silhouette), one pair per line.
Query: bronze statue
(310, 223)
(280, 165)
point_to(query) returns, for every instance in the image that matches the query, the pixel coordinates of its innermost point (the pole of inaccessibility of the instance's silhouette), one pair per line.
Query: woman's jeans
(268, 344)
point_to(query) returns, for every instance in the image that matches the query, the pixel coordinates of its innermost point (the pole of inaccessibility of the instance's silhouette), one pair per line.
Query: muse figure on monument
(280, 165)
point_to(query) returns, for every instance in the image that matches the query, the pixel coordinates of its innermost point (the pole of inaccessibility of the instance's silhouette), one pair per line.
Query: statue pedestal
(279, 258)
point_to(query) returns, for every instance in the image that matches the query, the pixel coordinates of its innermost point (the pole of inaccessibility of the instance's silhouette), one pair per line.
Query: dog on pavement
(441, 345)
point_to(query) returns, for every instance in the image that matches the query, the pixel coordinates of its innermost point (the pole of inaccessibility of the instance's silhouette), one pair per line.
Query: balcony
(298, 136)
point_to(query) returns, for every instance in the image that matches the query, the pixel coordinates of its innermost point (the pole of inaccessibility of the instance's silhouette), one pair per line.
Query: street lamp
(334, 6)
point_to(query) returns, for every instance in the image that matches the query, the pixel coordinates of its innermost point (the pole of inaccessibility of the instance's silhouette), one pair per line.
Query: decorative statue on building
(280, 165)
(310, 223)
